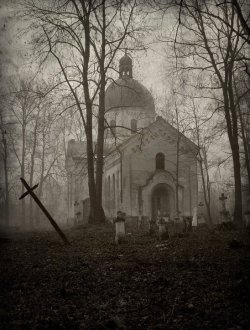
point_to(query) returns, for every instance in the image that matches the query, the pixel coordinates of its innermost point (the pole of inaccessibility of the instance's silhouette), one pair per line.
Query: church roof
(126, 60)
(162, 127)
(127, 92)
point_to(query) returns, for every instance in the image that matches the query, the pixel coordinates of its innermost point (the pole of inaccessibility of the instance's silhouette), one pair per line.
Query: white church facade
(141, 177)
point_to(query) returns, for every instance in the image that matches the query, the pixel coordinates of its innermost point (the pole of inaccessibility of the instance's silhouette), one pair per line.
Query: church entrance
(162, 201)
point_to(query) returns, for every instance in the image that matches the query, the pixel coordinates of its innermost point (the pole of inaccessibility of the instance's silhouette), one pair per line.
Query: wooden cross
(42, 207)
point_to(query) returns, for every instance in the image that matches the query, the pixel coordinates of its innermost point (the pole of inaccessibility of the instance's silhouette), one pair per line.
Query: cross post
(42, 207)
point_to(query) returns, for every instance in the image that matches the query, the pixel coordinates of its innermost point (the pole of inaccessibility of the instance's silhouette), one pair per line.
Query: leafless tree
(208, 43)
(21, 106)
(82, 38)
(242, 92)
(203, 141)
(4, 156)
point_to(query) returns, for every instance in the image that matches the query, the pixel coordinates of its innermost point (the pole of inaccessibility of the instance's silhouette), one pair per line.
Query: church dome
(127, 92)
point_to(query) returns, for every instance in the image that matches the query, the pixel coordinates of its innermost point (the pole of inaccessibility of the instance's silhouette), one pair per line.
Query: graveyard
(124, 165)
(194, 280)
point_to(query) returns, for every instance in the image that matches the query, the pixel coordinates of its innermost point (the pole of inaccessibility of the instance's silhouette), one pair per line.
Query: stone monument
(120, 227)
(224, 214)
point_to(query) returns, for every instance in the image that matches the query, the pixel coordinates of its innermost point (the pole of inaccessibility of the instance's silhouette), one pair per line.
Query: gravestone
(201, 221)
(120, 227)
(224, 214)
(163, 234)
(194, 223)
(187, 223)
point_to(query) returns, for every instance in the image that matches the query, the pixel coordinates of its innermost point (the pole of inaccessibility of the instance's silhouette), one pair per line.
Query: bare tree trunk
(206, 190)
(244, 23)
(23, 166)
(6, 178)
(90, 40)
(232, 129)
(246, 149)
(203, 163)
(95, 183)
(229, 110)
(237, 182)
(94, 207)
(32, 165)
(177, 162)
(40, 187)
(99, 159)
(207, 187)
(100, 138)
(91, 175)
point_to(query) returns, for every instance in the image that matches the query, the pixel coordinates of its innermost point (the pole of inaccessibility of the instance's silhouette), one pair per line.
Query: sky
(150, 67)
(12, 45)
(16, 53)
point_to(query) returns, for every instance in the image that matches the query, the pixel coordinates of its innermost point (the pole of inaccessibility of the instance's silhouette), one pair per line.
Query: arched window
(133, 125)
(160, 161)
(112, 126)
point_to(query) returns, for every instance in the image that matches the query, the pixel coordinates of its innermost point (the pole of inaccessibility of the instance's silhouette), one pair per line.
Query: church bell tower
(125, 67)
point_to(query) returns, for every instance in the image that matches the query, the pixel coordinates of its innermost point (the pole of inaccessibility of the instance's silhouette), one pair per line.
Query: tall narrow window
(112, 127)
(133, 125)
(160, 161)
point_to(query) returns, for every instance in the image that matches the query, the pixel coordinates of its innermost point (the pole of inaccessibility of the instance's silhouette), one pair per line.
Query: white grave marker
(120, 227)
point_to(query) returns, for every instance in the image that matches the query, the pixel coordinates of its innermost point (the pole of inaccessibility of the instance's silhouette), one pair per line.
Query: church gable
(154, 150)
(143, 148)
(158, 132)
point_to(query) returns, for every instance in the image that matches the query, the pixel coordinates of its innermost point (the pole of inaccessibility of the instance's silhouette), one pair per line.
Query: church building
(150, 168)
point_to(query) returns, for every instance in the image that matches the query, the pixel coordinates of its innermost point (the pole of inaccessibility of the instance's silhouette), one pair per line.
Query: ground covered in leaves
(199, 281)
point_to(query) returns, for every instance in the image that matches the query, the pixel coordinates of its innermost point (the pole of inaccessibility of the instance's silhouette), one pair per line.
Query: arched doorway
(162, 200)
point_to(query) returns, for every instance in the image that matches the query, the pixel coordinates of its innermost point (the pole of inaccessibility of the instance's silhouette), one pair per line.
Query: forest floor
(199, 281)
